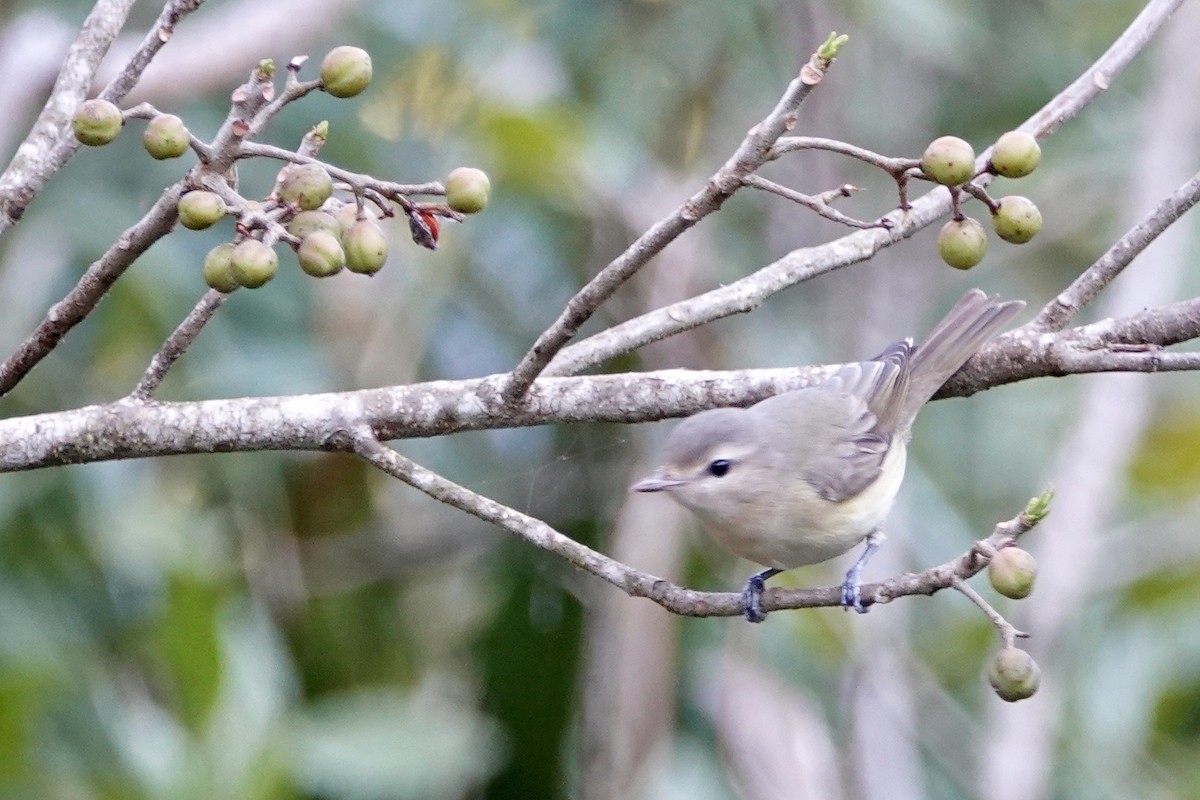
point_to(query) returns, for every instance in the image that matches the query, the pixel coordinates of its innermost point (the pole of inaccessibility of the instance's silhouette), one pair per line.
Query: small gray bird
(806, 475)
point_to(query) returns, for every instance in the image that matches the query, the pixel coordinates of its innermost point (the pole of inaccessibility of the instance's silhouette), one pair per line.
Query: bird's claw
(752, 608)
(851, 596)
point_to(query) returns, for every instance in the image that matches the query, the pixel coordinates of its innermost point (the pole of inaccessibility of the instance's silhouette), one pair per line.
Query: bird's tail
(974, 320)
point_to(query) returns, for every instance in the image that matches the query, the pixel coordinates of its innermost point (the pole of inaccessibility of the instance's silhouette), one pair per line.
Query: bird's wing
(829, 431)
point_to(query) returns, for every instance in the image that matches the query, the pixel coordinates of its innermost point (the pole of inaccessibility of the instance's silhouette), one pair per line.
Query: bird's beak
(657, 481)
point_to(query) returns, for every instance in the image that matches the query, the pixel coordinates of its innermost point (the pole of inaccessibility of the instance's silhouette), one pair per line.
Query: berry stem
(1008, 632)
(979, 193)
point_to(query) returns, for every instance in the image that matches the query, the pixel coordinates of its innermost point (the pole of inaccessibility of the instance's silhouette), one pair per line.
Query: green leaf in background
(189, 646)
(1167, 467)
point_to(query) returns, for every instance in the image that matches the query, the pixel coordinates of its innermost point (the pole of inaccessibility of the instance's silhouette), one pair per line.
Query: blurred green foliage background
(296, 626)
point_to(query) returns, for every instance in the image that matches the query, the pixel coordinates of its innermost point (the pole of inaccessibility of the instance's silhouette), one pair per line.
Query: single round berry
(308, 222)
(166, 137)
(1017, 220)
(467, 190)
(1014, 674)
(200, 209)
(1012, 572)
(962, 243)
(347, 215)
(305, 186)
(346, 71)
(1016, 155)
(365, 246)
(218, 268)
(96, 122)
(254, 263)
(948, 160)
(320, 254)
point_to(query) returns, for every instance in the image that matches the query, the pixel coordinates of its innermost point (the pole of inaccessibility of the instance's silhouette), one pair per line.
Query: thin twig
(892, 166)
(48, 148)
(34, 160)
(1063, 308)
(247, 101)
(293, 91)
(754, 150)
(177, 344)
(98, 279)
(355, 180)
(156, 37)
(806, 263)
(981, 194)
(817, 203)
(1008, 632)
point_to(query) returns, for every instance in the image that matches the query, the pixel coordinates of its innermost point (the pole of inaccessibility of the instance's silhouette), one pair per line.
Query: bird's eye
(719, 468)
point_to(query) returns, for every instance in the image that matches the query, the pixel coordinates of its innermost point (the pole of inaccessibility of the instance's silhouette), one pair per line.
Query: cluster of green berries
(329, 242)
(1013, 673)
(950, 161)
(331, 234)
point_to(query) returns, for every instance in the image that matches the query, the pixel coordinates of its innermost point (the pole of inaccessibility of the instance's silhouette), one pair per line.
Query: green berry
(97, 122)
(166, 137)
(254, 263)
(949, 161)
(1014, 674)
(467, 190)
(347, 216)
(320, 254)
(1017, 220)
(199, 210)
(305, 186)
(962, 243)
(1016, 155)
(308, 222)
(365, 246)
(1012, 572)
(218, 268)
(346, 71)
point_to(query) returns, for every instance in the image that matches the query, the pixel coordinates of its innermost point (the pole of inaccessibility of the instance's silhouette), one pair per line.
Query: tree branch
(307, 422)
(98, 279)
(177, 344)
(800, 265)
(816, 203)
(51, 143)
(754, 150)
(356, 180)
(677, 599)
(1063, 308)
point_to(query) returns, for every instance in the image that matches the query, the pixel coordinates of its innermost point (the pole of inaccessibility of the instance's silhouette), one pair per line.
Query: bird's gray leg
(850, 594)
(752, 595)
